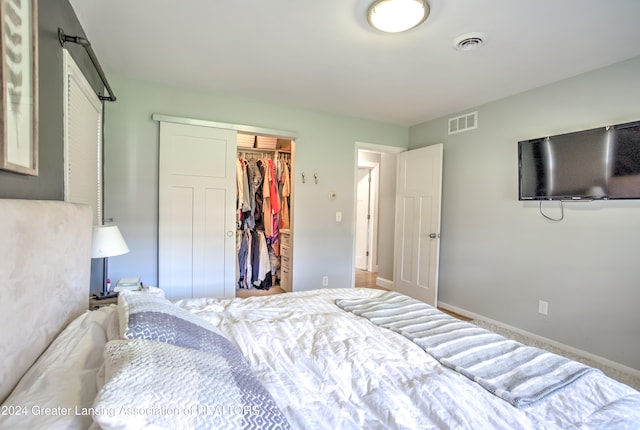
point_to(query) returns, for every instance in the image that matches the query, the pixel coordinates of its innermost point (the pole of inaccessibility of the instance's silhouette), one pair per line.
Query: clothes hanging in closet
(262, 209)
(286, 194)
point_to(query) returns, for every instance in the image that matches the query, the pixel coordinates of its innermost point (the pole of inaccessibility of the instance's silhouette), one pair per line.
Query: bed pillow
(158, 385)
(145, 316)
(63, 378)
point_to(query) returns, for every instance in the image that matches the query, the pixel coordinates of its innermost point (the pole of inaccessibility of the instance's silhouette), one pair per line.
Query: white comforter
(329, 369)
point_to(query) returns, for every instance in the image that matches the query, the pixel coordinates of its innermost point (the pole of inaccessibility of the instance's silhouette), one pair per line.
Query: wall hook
(315, 178)
(303, 178)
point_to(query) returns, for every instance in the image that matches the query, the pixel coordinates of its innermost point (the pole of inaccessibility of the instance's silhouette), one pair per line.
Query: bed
(323, 359)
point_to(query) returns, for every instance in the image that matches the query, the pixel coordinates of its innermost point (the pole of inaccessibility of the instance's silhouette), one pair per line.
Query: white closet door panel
(177, 256)
(197, 156)
(213, 261)
(201, 159)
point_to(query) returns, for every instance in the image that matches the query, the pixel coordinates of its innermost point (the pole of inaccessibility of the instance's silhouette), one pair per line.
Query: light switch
(338, 216)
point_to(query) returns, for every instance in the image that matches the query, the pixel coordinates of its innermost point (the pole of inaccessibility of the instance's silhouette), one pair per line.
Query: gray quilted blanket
(515, 372)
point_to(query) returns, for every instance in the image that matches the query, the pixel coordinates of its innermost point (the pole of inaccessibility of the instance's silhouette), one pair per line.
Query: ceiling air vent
(464, 122)
(469, 41)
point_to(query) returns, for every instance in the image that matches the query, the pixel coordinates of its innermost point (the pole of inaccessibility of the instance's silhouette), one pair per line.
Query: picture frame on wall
(19, 86)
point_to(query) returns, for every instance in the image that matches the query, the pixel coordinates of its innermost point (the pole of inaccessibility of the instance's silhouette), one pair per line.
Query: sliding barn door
(197, 192)
(417, 238)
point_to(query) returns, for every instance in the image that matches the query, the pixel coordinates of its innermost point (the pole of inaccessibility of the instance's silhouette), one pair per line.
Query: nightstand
(97, 304)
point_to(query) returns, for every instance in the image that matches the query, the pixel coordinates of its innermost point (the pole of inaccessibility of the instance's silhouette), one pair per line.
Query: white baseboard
(585, 354)
(384, 283)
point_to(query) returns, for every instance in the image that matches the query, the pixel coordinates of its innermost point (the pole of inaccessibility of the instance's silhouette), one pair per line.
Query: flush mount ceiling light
(395, 16)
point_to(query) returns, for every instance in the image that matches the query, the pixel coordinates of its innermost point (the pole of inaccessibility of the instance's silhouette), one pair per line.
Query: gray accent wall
(49, 184)
(499, 256)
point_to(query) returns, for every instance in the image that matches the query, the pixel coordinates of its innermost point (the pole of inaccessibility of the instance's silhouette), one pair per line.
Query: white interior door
(363, 218)
(197, 191)
(417, 236)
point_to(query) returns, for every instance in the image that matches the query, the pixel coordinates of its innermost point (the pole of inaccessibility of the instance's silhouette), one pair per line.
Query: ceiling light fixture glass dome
(395, 16)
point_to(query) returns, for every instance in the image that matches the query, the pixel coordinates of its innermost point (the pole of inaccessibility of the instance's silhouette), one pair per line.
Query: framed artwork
(19, 86)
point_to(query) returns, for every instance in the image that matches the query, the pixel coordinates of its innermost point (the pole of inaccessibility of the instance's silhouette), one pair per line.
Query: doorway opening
(375, 189)
(366, 216)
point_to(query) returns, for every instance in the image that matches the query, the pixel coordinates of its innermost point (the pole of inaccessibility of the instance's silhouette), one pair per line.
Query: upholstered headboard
(45, 264)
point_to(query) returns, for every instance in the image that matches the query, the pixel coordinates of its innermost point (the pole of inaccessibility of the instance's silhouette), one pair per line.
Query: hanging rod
(263, 150)
(63, 38)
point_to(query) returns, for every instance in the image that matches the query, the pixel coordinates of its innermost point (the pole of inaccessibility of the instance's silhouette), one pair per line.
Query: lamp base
(102, 296)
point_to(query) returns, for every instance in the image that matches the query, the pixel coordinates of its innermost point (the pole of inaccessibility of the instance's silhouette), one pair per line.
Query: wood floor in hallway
(366, 279)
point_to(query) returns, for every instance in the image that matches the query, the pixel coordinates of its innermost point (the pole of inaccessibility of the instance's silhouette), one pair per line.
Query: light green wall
(499, 256)
(325, 147)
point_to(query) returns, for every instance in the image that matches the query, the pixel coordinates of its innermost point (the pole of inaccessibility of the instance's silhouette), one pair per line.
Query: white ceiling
(322, 55)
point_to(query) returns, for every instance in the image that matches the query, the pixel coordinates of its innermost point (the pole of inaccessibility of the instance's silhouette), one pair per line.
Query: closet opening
(264, 218)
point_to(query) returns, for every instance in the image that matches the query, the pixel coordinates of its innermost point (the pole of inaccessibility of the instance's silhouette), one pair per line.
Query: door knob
(433, 235)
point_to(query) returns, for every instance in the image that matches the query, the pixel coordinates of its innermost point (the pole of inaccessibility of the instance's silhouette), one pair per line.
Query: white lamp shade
(107, 242)
(394, 16)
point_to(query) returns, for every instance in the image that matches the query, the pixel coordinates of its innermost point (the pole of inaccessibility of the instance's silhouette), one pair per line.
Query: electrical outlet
(543, 307)
(325, 281)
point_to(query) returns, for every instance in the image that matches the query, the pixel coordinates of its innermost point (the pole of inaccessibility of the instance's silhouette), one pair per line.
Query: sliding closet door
(196, 249)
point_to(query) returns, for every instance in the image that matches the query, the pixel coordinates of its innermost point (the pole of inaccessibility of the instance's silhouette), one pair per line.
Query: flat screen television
(601, 163)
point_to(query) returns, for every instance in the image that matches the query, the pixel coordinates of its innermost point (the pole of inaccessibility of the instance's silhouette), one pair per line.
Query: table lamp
(107, 242)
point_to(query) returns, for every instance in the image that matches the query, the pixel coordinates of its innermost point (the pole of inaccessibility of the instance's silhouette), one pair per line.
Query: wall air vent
(464, 122)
